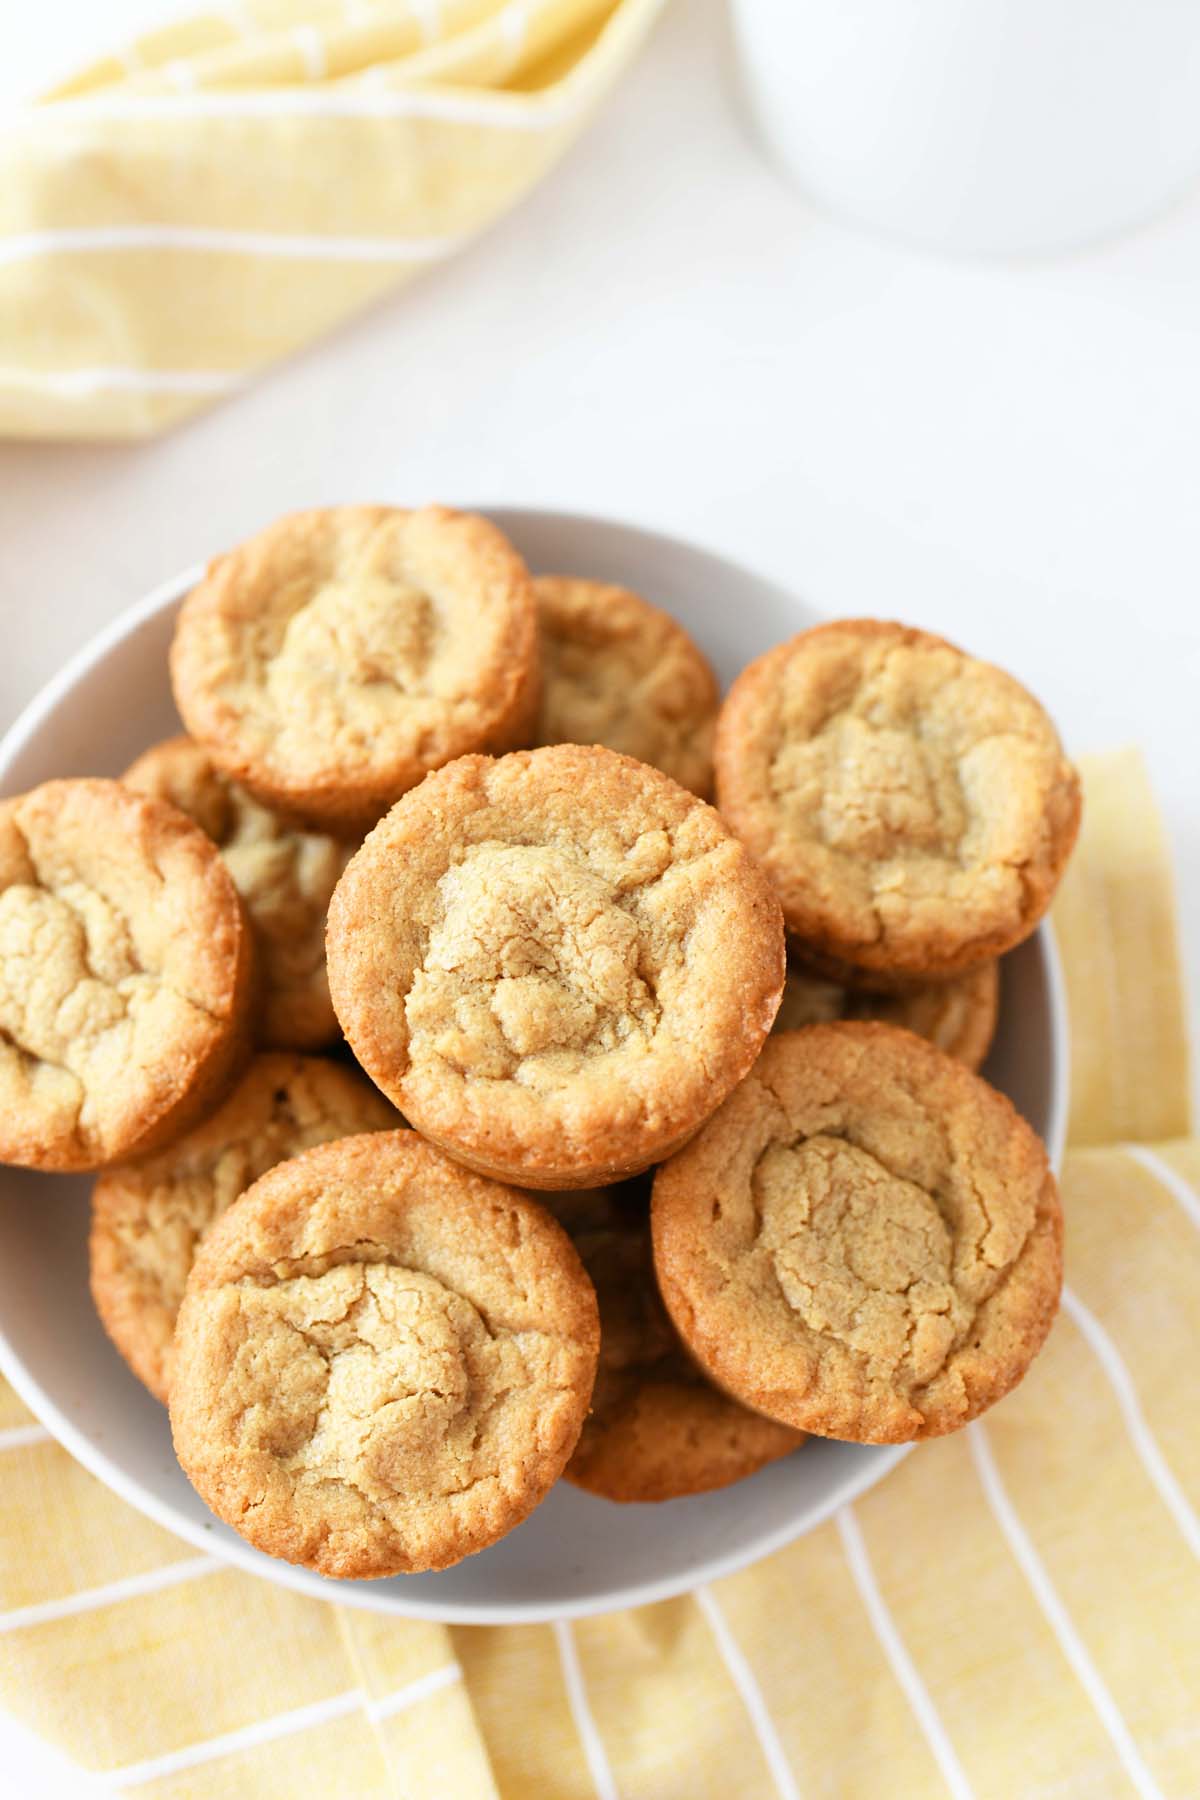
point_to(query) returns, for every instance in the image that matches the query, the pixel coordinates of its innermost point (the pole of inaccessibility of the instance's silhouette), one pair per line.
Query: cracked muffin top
(382, 1360)
(149, 1217)
(657, 1429)
(865, 1242)
(331, 661)
(556, 964)
(619, 672)
(958, 1015)
(912, 806)
(284, 874)
(124, 974)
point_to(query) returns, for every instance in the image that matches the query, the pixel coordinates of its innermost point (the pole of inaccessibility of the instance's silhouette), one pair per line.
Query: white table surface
(664, 333)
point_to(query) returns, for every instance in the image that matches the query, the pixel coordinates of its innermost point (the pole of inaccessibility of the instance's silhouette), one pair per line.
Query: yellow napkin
(1014, 1611)
(237, 182)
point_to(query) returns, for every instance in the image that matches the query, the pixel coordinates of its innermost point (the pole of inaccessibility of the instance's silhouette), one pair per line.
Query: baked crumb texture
(284, 874)
(125, 975)
(149, 1217)
(657, 1429)
(382, 1360)
(332, 660)
(556, 964)
(958, 1015)
(619, 672)
(865, 1242)
(912, 806)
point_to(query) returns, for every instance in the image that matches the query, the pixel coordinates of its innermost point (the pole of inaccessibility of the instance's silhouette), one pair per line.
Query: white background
(664, 333)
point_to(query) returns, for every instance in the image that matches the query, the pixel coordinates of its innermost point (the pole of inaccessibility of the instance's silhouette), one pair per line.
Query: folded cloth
(236, 183)
(1014, 1611)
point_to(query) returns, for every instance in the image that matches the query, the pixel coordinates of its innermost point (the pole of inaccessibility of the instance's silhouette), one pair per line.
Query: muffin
(865, 1242)
(125, 975)
(619, 672)
(958, 1016)
(657, 1429)
(284, 874)
(556, 964)
(149, 1217)
(328, 663)
(912, 806)
(382, 1361)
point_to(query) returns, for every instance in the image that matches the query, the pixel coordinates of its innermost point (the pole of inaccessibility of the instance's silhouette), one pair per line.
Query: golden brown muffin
(866, 1242)
(657, 1429)
(620, 672)
(125, 975)
(556, 964)
(328, 663)
(284, 874)
(382, 1360)
(912, 806)
(149, 1217)
(958, 1016)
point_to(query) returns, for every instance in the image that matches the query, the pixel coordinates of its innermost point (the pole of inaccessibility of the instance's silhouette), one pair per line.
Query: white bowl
(1029, 127)
(576, 1554)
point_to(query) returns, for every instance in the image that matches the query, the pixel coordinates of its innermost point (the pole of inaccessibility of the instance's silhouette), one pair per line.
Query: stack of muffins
(551, 969)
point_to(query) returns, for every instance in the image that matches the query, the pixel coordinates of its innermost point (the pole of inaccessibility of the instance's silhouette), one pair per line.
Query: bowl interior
(576, 1553)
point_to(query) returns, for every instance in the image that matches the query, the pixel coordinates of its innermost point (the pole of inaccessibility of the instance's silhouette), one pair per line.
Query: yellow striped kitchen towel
(232, 185)
(1014, 1612)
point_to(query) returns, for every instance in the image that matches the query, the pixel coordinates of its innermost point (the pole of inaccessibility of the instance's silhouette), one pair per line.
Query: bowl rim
(371, 1596)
